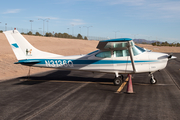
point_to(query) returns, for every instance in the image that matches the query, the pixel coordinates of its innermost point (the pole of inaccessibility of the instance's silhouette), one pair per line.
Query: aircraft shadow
(65, 75)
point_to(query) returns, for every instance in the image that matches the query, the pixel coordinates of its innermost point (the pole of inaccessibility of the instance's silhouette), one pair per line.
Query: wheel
(153, 81)
(117, 81)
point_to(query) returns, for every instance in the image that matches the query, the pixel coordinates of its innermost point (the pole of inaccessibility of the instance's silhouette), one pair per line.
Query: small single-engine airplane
(117, 56)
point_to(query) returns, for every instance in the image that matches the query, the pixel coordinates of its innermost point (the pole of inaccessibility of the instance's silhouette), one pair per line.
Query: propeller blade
(171, 56)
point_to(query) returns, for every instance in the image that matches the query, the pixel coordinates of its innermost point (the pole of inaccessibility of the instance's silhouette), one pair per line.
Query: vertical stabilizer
(23, 49)
(15, 47)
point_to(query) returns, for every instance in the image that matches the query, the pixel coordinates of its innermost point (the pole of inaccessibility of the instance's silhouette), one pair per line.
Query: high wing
(114, 44)
(119, 44)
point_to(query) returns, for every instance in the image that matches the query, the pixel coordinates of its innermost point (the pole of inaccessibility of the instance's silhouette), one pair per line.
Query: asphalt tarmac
(77, 95)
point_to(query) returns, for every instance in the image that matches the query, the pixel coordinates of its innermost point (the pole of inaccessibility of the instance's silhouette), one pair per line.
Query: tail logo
(28, 52)
(14, 45)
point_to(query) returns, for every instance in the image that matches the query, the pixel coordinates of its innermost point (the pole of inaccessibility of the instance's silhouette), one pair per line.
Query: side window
(105, 54)
(121, 53)
(118, 53)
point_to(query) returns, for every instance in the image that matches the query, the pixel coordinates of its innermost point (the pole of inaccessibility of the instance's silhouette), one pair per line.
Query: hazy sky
(148, 19)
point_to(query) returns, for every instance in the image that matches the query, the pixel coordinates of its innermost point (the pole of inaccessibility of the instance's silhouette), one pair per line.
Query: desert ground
(60, 46)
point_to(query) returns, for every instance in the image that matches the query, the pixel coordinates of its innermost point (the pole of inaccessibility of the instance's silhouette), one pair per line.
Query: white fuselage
(144, 62)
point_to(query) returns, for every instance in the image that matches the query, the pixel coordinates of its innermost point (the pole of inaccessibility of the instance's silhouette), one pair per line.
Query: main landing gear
(152, 80)
(118, 80)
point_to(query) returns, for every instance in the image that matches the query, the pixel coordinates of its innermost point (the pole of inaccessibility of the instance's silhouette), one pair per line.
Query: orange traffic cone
(129, 86)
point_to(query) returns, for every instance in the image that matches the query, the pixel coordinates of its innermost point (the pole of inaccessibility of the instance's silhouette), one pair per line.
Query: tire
(117, 81)
(153, 81)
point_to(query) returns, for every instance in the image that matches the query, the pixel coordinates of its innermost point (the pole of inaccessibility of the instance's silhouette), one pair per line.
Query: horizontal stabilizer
(27, 62)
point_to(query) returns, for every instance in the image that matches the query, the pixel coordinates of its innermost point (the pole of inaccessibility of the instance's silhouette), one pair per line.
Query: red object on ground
(129, 86)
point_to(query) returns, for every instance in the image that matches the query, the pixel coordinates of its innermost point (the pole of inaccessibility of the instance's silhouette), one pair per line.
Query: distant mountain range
(144, 41)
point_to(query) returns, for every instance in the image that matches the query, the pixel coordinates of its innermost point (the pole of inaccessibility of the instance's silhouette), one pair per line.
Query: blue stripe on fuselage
(76, 61)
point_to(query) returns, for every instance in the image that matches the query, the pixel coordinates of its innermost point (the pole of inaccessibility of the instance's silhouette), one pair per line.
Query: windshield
(137, 50)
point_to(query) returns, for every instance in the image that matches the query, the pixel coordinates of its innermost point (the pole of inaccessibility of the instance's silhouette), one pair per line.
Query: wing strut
(131, 56)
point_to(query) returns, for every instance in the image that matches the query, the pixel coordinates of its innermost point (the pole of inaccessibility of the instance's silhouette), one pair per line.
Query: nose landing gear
(152, 80)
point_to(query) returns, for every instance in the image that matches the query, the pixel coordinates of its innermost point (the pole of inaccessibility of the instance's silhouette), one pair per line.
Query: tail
(23, 49)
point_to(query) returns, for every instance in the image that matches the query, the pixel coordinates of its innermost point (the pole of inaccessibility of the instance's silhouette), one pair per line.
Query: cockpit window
(121, 53)
(105, 54)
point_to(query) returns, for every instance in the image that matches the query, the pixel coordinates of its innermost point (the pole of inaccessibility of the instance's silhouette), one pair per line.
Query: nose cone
(172, 57)
(159, 61)
(161, 56)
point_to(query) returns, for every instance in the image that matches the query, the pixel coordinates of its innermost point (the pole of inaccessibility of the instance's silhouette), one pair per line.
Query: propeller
(170, 56)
